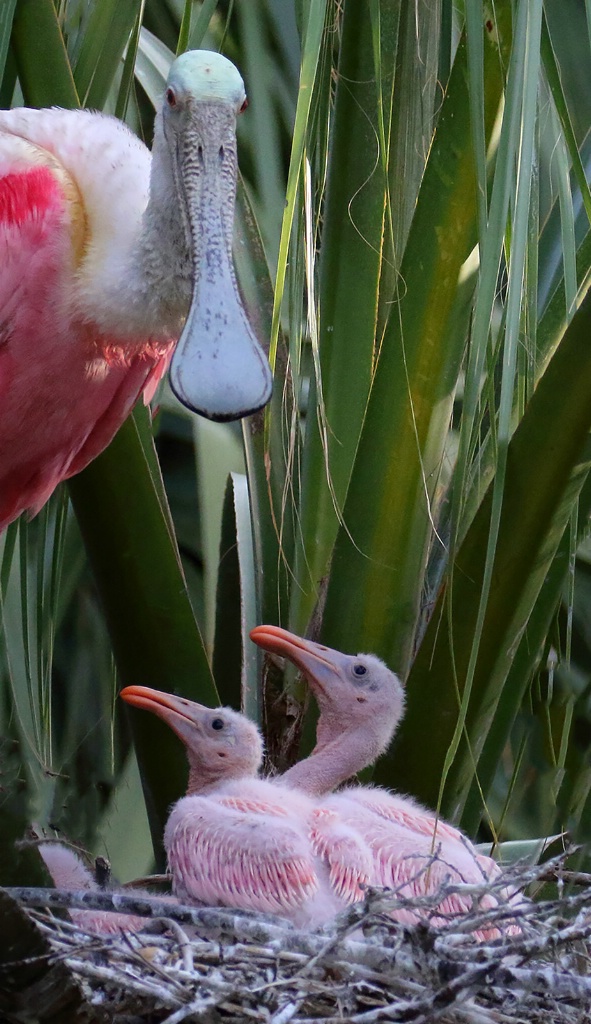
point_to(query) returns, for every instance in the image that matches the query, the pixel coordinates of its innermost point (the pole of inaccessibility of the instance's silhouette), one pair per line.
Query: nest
(223, 965)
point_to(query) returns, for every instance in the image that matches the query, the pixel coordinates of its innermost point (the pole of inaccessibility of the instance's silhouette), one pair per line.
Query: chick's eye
(217, 723)
(359, 670)
(244, 105)
(171, 97)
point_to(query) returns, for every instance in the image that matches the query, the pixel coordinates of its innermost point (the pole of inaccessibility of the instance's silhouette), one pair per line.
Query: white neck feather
(332, 763)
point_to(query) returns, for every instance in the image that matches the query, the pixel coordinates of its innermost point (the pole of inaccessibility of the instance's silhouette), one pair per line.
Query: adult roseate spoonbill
(240, 841)
(105, 251)
(361, 703)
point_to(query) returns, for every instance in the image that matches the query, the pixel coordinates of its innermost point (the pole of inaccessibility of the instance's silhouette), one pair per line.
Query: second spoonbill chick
(239, 841)
(361, 702)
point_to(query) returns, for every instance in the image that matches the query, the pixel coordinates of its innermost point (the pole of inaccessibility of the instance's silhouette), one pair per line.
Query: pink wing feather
(418, 872)
(68, 872)
(219, 855)
(344, 852)
(347, 855)
(404, 811)
(248, 804)
(410, 815)
(65, 388)
(410, 863)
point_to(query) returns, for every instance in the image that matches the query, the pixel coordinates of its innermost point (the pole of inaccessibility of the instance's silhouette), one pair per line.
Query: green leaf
(553, 73)
(528, 851)
(202, 21)
(6, 15)
(106, 35)
(152, 65)
(343, 342)
(271, 454)
(44, 72)
(380, 555)
(237, 662)
(185, 28)
(310, 57)
(523, 666)
(546, 467)
(218, 451)
(155, 638)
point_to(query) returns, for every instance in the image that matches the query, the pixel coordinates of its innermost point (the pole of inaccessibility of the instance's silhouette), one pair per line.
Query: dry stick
(239, 924)
(244, 925)
(454, 955)
(210, 919)
(142, 986)
(149, 907)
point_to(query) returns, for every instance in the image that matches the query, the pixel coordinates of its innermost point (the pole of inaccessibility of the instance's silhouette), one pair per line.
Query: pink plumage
(68, 872)
(108, 255)
(65, 385)
(361, 703)
(228, 856)
(239, 841)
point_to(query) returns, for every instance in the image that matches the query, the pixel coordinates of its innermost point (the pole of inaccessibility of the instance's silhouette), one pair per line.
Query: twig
(241, 966)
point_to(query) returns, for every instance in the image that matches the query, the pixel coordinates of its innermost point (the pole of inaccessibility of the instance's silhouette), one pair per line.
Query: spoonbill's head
(353, 691)
(219, 368)
(203, 76)
(221, 744)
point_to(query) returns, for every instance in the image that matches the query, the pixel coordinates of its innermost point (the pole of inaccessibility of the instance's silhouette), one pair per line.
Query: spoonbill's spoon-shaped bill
(218, 369)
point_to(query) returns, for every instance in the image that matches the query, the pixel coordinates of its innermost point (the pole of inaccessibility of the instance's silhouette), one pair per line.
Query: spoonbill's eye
(218, 723)
(171, 97)
(244, 105)
(359, 670)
